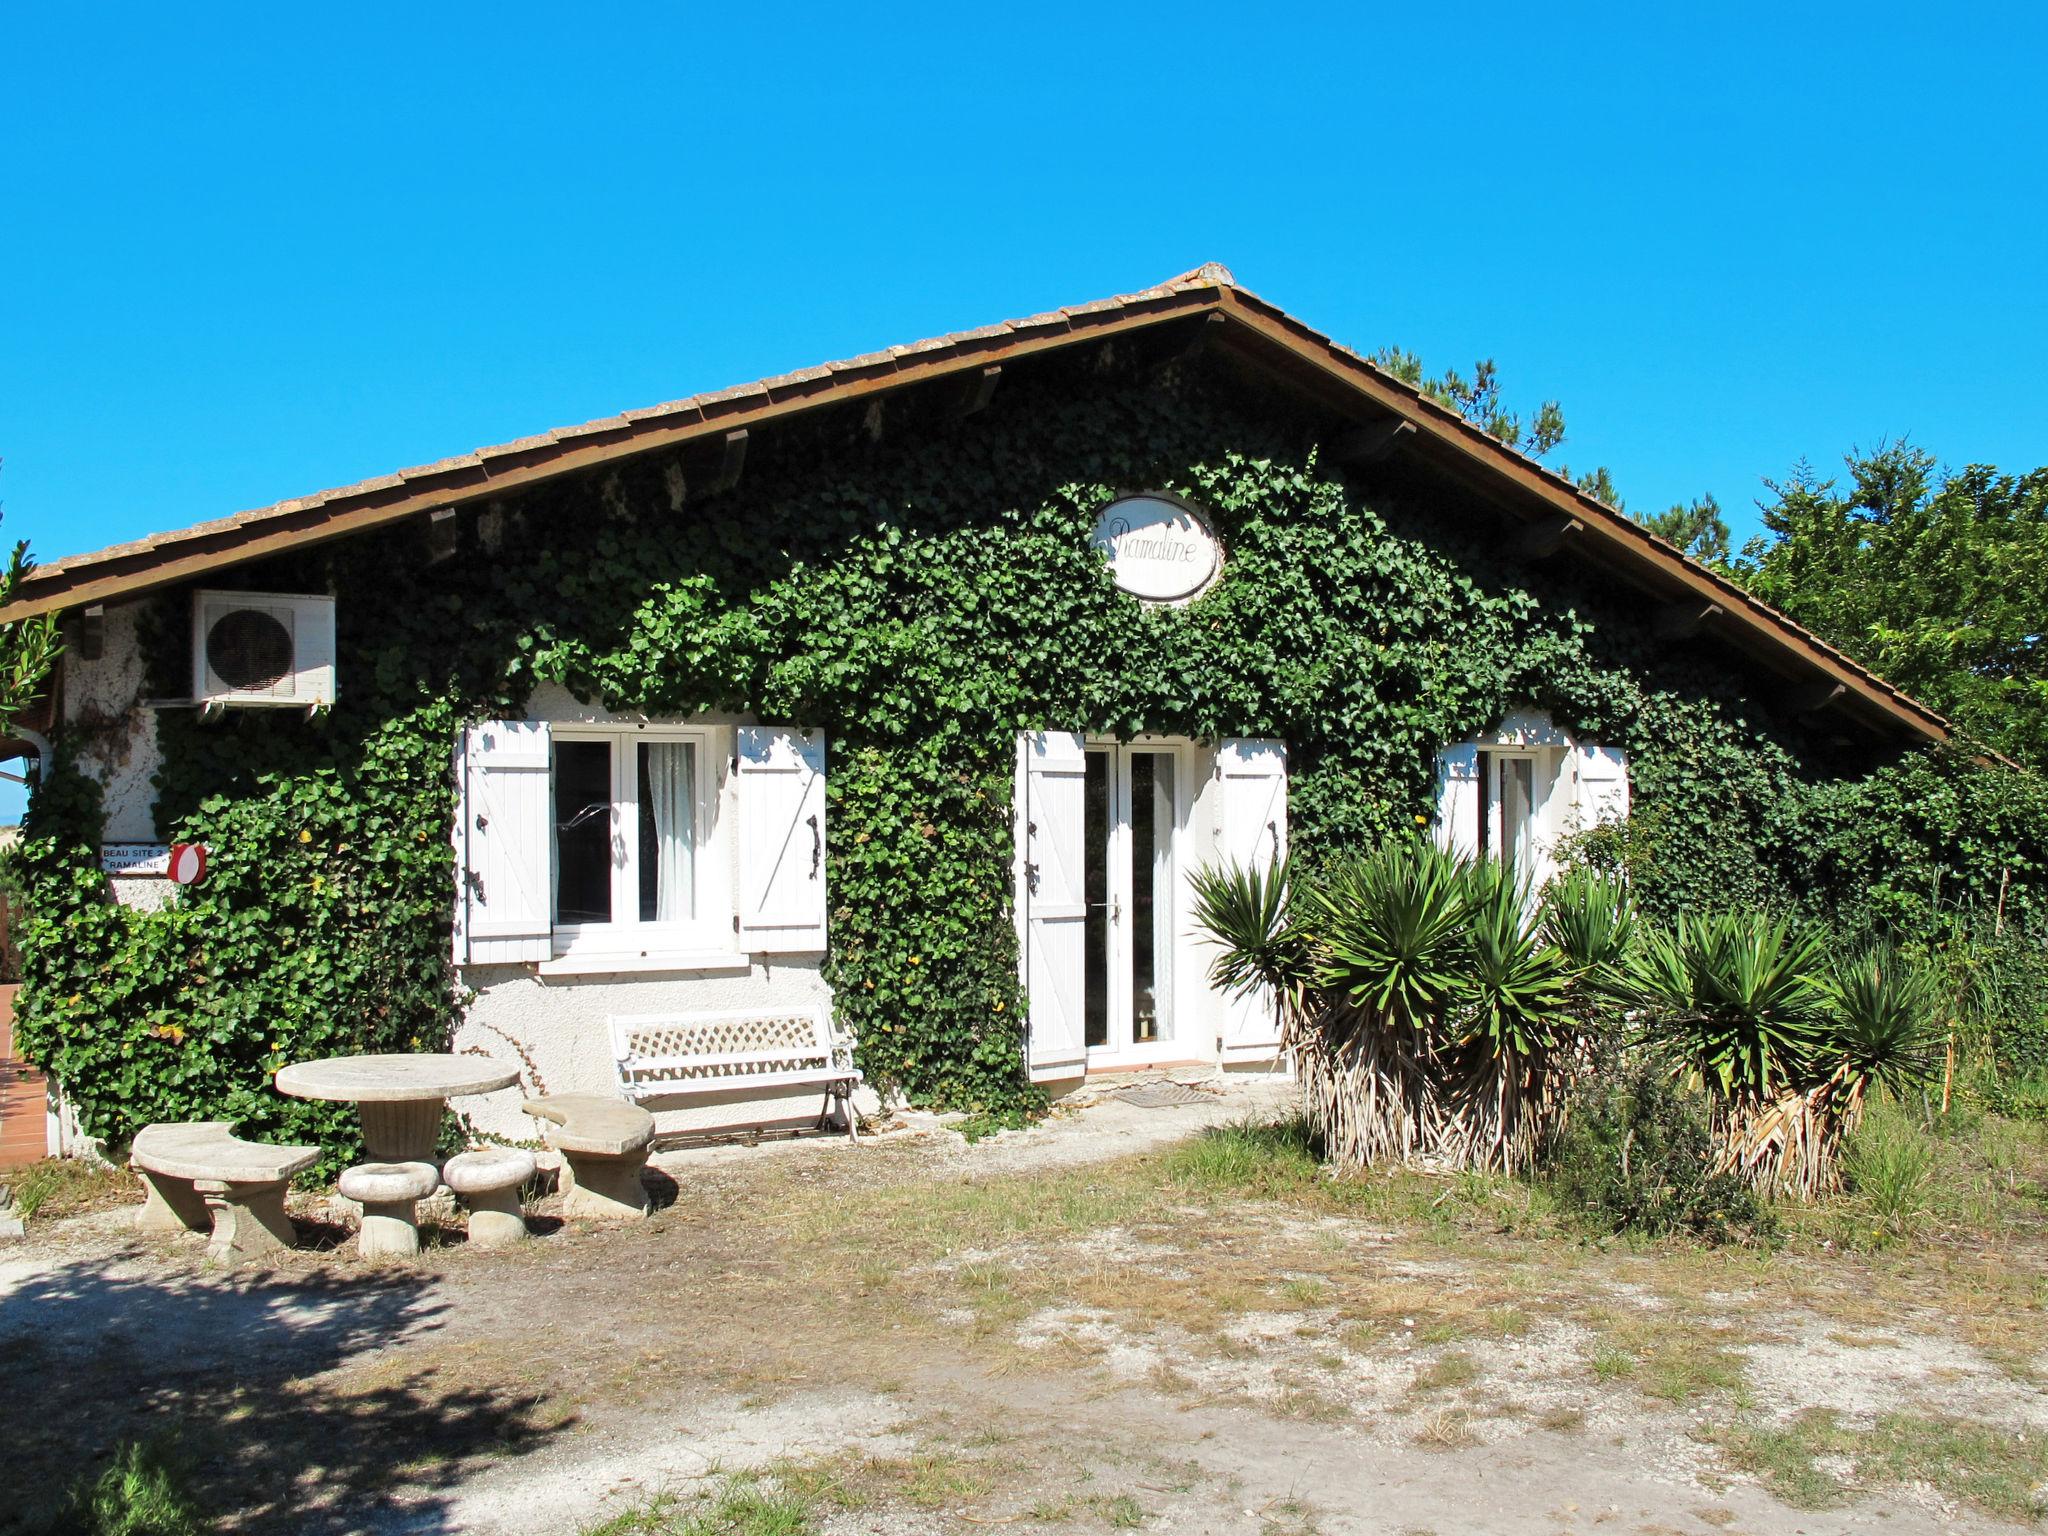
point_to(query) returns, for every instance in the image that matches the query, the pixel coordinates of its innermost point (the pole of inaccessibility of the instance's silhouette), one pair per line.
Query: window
(630, 814)
(1516, 785)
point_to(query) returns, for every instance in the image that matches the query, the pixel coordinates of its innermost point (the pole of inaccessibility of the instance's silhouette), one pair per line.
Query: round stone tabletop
(392, 1079)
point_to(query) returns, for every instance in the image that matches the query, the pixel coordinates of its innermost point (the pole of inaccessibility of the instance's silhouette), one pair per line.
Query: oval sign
(1158, 547)
(188, 863)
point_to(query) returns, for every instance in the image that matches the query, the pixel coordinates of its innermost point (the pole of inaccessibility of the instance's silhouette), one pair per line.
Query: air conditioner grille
(250, 649)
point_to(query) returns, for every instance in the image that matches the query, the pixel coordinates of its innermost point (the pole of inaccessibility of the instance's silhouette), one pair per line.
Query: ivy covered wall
(922, 589)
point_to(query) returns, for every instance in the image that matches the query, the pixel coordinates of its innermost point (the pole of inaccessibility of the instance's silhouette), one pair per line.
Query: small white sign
(1159, 548)
(136, 859)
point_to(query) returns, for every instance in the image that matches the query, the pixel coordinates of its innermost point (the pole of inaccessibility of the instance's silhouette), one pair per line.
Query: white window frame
(710, 929)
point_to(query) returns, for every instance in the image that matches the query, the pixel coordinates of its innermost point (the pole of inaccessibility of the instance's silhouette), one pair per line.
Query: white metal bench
(692, 1055)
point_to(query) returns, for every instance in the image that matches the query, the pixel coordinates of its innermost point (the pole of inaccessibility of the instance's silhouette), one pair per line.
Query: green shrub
(1635, 1156)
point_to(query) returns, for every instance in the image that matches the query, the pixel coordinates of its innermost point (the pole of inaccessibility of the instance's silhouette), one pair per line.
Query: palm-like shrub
(1428, 1009)
(1735, 999)
(1885, 1027)
(1392, 927)
(1514, 1028)
(1786, 1046)
(1591, 918)
(1247, 912)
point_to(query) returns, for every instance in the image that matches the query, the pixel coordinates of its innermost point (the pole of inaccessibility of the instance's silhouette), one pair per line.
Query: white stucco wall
(114, 735)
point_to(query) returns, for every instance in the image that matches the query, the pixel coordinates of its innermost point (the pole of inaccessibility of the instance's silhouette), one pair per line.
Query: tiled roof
(1607, 536)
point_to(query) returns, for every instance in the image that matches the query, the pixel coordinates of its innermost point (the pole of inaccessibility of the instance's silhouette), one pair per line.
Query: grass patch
(1122, 1513)
(926, 1480)
(744, 1504)
(1672, 1360)
(69, 1186)
(1887, 1168)
(1988, 1466)
(1453, 1370)
(1247, 1157)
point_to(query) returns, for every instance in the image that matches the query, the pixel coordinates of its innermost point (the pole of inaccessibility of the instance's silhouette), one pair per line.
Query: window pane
(668, 831)
(583, 832)
(1095, 877)
(1517, 803)
(1151, 895)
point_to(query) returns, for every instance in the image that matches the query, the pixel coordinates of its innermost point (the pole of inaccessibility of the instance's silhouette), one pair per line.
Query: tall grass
(1888, 1165)
(1248, 1157)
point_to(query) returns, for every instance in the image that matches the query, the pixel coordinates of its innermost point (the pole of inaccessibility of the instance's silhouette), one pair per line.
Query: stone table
(402, 1098)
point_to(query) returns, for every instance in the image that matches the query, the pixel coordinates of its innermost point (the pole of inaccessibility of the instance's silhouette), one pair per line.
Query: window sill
(622, 962)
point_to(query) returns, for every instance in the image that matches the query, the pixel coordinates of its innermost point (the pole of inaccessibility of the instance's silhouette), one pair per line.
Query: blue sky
(247, 255)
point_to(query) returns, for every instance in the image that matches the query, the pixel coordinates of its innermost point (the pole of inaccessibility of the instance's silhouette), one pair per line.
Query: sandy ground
(536, 1390)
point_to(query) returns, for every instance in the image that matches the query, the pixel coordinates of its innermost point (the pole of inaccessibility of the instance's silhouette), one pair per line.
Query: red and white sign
(188, 863)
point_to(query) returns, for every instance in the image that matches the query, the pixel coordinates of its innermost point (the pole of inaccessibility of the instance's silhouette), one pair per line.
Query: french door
(1134, 800)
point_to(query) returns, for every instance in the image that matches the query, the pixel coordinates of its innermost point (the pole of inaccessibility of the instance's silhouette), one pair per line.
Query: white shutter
(504, 844)
(1053, 897)
(781, 791)
(1601, 774)
(1458, 800)
(1251, 831)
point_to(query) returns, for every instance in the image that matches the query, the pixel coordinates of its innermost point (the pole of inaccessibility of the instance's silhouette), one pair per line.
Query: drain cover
(1161, 1095)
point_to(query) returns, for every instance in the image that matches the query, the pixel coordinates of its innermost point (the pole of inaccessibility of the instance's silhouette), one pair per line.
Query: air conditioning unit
(262, 648)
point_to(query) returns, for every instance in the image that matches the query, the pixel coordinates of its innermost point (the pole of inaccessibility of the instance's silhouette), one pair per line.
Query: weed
(141, 1492)
(1123, 1513)
(65, 1186)
(1305, 1290)
(1613, 1365)
(1445, 1431)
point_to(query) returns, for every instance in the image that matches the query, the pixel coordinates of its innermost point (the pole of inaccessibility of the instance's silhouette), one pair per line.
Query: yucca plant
(1735, 998)
(1247, 913)
(1592, 918)
(1515, 1028)
(1885, 1024)
(1393, 932)
(1514, 998)
(1737, 1001)
(1389, 941)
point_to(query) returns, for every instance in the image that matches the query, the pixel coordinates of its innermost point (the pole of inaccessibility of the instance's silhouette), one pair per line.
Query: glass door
(1133, 815)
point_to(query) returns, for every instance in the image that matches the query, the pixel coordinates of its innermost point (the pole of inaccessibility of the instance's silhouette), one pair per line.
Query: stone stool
(489, 1181)
(388, 1192)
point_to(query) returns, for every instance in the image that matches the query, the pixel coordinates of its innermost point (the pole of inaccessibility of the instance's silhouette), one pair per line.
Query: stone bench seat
(603, 1143)
(201, 1177)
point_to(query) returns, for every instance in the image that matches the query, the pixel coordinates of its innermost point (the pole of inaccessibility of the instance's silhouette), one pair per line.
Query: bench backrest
(661, 1053)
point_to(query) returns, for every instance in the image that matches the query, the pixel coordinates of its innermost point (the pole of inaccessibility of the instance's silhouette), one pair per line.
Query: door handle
(817, 847)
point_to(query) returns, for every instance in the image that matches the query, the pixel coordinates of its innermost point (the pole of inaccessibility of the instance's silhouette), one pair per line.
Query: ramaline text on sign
(1159, 548)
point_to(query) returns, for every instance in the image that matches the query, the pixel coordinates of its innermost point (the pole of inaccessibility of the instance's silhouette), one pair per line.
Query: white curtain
(672, 800)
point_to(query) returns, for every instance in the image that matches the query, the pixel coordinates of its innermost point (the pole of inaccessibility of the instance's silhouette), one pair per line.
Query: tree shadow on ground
(233, 1372)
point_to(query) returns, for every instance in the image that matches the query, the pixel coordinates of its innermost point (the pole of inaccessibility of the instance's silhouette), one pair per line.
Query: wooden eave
(1347, 384)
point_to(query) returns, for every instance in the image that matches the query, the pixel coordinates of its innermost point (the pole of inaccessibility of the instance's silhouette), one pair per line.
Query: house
(912, 687)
